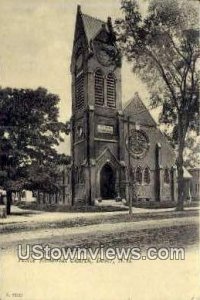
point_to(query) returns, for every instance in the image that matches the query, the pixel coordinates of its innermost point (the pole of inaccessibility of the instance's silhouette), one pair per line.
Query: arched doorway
(107, 182)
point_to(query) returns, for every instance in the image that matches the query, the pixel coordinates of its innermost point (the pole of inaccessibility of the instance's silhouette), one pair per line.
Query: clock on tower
(105, 54)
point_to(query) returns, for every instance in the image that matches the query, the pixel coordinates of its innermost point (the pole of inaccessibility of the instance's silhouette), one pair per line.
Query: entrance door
(107, 182)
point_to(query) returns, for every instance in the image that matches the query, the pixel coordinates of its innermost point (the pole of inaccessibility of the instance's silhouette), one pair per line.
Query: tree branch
(164, 77)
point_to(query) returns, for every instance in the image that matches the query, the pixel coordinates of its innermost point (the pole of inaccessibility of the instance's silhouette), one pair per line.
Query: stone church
(113, 147)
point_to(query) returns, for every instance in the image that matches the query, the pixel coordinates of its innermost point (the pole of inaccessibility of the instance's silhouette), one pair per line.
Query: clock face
(137, 143)
(103, 57)
(105, 54)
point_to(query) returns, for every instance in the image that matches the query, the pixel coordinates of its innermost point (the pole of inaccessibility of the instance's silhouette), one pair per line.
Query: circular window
(137, 143)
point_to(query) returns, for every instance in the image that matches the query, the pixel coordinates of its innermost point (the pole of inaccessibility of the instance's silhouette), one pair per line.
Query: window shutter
(99, 88)
(111, 91)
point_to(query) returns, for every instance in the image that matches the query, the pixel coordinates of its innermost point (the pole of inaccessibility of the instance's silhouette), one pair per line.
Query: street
(105, 228)
(141, 280)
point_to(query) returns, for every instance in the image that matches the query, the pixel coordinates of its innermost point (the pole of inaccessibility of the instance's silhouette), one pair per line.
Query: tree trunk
(9, 202)
(181, 138)
(180, 202)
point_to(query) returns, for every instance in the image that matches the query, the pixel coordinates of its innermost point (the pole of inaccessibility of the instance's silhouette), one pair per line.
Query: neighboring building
(24, 195)
(111, 144)
(63, 195)
(187, 177)
(194, 183)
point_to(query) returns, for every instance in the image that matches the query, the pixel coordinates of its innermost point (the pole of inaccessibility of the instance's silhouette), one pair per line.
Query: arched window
(138, 175)
(111, 90)
(99, 87)
(166, 176)
(147, 178)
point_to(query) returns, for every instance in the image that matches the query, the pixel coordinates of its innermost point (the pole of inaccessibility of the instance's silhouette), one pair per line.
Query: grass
(164, 204)
(63, 208)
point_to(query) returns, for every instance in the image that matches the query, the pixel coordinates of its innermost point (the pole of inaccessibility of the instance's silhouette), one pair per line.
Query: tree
(163, 47)
(191, 151)
(29, 134)
(45, 177)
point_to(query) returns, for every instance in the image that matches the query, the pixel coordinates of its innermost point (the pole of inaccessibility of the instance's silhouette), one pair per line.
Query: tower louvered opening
(79, 91)
(99, 88)
(111, 91)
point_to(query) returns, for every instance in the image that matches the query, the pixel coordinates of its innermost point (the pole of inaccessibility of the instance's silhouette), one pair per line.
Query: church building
(113, 147)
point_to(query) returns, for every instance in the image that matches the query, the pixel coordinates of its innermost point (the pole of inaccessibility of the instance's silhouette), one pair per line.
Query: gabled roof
(109, 153)
(136, 110)
(92, 26)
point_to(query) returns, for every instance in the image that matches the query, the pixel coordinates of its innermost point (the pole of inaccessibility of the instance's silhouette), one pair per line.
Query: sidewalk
(29, 217)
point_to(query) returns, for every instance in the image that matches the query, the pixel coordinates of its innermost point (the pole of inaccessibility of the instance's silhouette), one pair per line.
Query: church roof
(136, 109)
(92, 26)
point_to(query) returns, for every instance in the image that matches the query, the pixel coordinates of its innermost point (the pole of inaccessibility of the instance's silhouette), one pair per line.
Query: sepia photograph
(99, 149)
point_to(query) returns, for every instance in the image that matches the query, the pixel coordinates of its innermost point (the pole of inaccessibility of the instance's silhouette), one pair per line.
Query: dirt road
(77, 235)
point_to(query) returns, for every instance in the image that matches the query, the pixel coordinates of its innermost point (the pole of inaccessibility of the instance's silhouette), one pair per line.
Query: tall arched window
(166, 176)
(147, 178)
(111, 90)
(99, 87)
(138, 175)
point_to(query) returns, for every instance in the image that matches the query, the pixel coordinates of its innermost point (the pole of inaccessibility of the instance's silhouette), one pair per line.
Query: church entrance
(107, 182)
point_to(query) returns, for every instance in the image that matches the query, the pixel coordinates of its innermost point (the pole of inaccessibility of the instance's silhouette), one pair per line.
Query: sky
(36, 38)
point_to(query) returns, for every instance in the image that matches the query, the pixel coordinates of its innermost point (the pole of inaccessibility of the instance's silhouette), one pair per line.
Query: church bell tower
(97, 125)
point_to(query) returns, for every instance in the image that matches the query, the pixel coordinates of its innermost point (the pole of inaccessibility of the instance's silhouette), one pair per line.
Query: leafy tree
(163, 47)
(29, 134)
(45, 177)
(191, 152)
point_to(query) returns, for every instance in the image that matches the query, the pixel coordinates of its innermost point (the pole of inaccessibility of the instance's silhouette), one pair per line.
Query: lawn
(105, 208)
